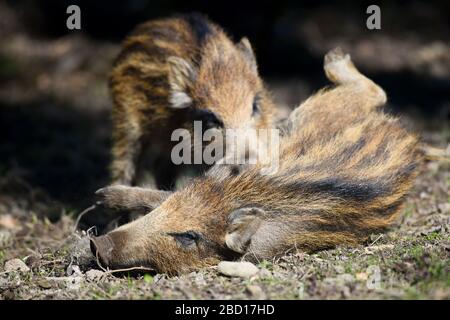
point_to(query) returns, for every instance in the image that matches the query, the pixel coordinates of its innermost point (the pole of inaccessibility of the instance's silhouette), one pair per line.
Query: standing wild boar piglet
(344, 171)
(170, 73)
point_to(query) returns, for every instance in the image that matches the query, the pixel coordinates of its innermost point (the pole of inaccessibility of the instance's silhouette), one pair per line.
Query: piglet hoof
(113, 197)
(339, 68)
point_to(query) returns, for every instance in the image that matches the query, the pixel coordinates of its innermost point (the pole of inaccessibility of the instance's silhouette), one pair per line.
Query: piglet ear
(181, 76)
(246, 48)
(242, 225)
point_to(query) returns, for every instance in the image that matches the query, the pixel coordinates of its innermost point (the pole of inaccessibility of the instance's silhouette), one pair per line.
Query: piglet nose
(102, 248)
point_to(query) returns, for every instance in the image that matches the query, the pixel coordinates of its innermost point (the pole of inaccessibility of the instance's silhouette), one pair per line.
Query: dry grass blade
(80, 216)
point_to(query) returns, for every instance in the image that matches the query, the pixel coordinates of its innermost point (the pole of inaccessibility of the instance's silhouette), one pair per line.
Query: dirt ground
(411, 261)
(54, 130)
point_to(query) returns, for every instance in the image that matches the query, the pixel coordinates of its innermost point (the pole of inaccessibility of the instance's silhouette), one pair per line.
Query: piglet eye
(209, 118)
(186, 239)
(256, 107)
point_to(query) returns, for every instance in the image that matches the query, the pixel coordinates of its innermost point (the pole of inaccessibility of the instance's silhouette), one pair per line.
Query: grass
(433, 236)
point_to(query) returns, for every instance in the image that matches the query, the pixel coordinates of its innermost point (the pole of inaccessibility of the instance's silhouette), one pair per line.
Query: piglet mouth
(102, 248)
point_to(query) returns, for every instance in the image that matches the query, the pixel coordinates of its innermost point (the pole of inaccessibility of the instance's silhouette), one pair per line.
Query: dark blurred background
(54, 103)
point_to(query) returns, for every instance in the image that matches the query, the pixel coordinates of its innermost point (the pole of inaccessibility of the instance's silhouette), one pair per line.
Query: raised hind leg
(353, 96)
(340, 70)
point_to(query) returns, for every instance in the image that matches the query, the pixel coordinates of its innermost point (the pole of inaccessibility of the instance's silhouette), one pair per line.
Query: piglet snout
(102, 248)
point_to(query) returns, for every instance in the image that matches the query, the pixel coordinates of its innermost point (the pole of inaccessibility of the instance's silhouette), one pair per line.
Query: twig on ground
(374, 241)
(128, 269)
(81, 216)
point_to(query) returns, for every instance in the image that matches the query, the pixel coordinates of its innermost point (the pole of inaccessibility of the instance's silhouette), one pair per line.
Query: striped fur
(345, 170)
(168, 72)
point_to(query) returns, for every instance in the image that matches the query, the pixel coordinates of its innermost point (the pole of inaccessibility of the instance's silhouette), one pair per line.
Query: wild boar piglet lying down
(344, 170)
